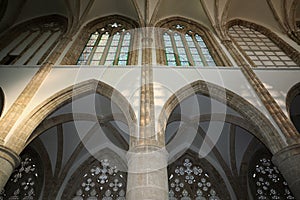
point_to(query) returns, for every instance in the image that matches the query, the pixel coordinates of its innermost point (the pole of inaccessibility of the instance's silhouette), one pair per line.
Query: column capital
(8, 161)
(288, 160)
(9, 155)
(286, 153)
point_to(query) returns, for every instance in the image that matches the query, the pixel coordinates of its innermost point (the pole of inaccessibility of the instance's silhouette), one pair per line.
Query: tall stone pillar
(8, 161)
(147, 156)
(147, 178)
(288, 162)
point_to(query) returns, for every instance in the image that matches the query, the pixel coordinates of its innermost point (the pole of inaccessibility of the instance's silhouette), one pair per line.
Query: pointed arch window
(188, 179)
(99, 180)
(259, 48)
(33, 41)
(266, 182)
(184, 45)
(109, 45)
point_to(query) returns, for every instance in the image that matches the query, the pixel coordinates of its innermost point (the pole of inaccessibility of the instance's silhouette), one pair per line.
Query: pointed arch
(200, 46)
(30, 42)
(268, 50)
(266, 132)
(98, 178)
(28, 125)
(84, 50)
(191, 177)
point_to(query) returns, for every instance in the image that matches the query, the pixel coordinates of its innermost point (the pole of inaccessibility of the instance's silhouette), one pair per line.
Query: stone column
(8, 161)
(147, 178)
(288, 162)
(147, 156)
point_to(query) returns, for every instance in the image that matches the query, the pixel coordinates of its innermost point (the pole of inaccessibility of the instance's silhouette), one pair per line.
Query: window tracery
(259, 48)
(266, 181)
(188, 180)
(34, 43)
(184, 46)
(102, 180)
(109, 45)
(26, 180)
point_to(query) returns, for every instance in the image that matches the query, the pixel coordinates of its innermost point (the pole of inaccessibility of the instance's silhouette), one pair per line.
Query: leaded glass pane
(208, 58)
(257, 43)
(102, 43)
(123, 57)
(187, 48)
(112, 51)
(171, 57)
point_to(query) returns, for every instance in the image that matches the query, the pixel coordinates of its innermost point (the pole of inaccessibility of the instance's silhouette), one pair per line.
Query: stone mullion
(20, 42)
(187, 50)
(17, 108)
(28, 46)
(50, 49)
(120, 44)
(275, 111)
(175, 50)
(106, 49)
(90, 58)
(39, 48)
(200, 51)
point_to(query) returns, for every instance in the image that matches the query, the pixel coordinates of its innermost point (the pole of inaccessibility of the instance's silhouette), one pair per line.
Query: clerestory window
(259, 48)
(186, 44)
(109, 45)
(33, 41)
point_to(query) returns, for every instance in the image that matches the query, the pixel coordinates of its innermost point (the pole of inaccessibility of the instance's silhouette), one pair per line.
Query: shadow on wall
(1, 101)
(293, 105)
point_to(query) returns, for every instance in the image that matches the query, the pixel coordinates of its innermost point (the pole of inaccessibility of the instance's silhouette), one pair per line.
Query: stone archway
(26, 128)
(266, 133)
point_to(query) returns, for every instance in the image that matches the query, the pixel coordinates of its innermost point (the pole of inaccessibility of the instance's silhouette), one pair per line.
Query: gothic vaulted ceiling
(275, 14)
